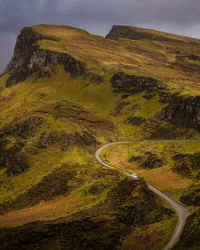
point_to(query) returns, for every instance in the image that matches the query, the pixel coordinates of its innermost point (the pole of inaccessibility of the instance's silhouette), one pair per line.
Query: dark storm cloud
(177, 16)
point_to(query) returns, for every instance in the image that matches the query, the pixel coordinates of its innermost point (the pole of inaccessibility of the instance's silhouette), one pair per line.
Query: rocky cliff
(184, 111)
(124, 82)
(28, 58)
(134, 33)
(120, 31)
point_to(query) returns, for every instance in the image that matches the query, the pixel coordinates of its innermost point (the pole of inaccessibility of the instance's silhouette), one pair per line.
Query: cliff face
(125, 82)
(179, 110)
(120, 31)
(134, 33)
(28, 58)
(185, 111)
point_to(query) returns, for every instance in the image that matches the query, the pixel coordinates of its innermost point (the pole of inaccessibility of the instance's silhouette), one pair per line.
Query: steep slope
(102, 226)
(64, 93)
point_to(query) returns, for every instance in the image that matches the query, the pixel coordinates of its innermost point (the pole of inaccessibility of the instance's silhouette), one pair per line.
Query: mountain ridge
(65, 93)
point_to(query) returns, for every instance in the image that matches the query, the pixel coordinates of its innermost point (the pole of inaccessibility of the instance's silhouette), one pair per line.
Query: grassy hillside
(174, 60)
(162, 164)
(65, 93)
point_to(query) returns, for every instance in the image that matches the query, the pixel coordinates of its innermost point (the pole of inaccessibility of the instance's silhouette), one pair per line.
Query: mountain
(65, 93)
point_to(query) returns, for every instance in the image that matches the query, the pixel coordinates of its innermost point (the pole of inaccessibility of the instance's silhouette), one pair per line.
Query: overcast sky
(96, 16)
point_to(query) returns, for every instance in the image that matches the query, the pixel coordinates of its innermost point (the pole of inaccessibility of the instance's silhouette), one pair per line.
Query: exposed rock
(194, 57)
(198, 175)
(186, 164)
(191, 57)
(124, 82)
(135, 158)
(12, 154)
(125, 96)
(148, 160)
(93, 77)
(16, 165)
(154, 128)
(12, 158)
(24, 128)
(173, 50)
(50, 138)
(28, 58)
(184, 111)
(132, 33)
(149, 96)
(120, 107)
(136, 121)
(86, 139)
(151, 161)
(121, 31)
(42, 73)
(96, 78)
(97, 188)
(192, 196)
(166, 97)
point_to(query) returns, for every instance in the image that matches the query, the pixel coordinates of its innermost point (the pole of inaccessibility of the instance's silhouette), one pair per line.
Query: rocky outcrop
(187, 165)
(119, 108)
(23, 128)
(13, 138)
(28, 58)
(43, 73)
(126, 83)
(93, 77)
(184, 111)
(120, 31)
(148, 160)
(191, 197)
(16, 165)
(12, 157)
(133, 33)
(50, 138)
(135, 120)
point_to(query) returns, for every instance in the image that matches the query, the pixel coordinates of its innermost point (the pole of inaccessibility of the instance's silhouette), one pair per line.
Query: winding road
(181, 212)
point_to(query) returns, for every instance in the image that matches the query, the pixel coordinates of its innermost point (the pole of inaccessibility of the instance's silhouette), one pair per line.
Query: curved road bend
(181, 212)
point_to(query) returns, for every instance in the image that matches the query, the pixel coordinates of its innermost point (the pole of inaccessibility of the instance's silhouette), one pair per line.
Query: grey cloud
(177, 16)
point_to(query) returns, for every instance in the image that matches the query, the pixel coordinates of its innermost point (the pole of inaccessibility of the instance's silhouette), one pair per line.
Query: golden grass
(163, 178)
(166, 179)
(146, 58)
(152, 237)
(59, 207)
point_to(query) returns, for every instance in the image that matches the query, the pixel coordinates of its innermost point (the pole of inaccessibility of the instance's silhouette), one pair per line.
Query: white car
(134, 176)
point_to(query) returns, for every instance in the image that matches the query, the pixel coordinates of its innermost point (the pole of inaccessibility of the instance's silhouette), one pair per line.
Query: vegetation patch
(190, 236)
(191, 197)
(102, 226)
(187, 164)
(50, 186)
(148, 160)
(136, 121)
(77, 91)
(130, 157)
